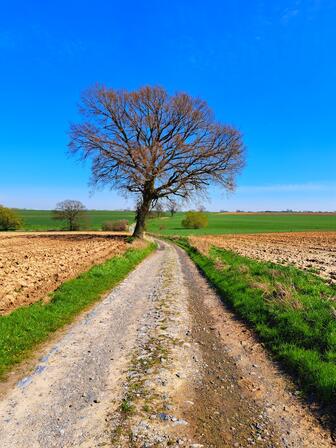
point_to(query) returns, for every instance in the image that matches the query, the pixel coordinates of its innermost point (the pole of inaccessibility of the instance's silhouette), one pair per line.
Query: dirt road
(159, 362)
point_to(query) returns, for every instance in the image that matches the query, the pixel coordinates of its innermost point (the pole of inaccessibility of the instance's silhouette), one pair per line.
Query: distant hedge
(115, 226)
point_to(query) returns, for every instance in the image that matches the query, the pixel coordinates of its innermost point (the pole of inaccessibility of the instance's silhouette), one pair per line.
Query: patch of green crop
(23, 329)
(222, 223)
(290, 310)
(219, 223)
(41, 220)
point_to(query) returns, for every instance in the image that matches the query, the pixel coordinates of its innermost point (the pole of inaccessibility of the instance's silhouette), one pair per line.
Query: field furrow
(32, 265)
(313, 251)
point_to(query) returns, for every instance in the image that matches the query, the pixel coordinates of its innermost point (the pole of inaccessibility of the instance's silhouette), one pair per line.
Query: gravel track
(64, 401)
(199, 391)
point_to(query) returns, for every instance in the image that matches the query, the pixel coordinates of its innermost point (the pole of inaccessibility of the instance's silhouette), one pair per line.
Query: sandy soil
(314, 251)
(34, 264)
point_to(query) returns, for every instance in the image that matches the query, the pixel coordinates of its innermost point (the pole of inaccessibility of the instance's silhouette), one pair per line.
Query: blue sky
(267, 67)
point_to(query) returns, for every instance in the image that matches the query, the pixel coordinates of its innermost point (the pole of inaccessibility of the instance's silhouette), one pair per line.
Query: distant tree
(158, 209)
(156, 212)
(195, 220)
(201, 208)
(72, 212)
(173, 208)
(154, 145)
(9, 220)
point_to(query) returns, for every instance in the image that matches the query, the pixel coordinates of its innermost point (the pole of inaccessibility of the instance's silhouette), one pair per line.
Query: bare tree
(173, 207)
(158, 209)
(154, 145)
(70, 211)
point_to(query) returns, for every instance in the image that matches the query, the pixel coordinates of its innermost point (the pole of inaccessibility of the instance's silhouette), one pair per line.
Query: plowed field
(314, 251)
(32, 265)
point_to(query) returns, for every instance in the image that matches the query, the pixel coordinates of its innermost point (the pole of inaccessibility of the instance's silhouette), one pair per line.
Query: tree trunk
(141, 214)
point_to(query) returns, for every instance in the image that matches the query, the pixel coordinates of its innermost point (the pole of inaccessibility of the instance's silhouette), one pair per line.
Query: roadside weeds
(298, 333)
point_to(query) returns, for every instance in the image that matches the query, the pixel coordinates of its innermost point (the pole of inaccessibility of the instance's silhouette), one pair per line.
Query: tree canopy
(155, 145)
(9, 220)
(70, 211)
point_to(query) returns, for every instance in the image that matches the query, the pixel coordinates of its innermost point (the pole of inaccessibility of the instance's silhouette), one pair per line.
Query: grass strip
(291, 311)
(23, 329)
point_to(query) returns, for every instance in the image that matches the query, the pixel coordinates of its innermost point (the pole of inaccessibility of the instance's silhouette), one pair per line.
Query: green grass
(290, 310)
(220, 223)
(23, 329)
(42, 219)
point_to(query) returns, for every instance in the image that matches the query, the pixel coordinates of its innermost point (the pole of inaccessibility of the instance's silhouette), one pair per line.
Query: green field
(43, 220)
(220, 223)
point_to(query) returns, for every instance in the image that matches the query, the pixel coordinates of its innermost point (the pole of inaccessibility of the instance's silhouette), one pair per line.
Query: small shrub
(9, 219)
(115, 226)
(195, 220)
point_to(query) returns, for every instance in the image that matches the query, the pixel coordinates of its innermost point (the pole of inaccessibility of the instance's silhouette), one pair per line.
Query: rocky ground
(33, 264)
(313, 251)
(159, 362)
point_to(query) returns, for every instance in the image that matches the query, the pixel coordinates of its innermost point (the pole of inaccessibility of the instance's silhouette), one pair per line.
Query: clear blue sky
(267, 67)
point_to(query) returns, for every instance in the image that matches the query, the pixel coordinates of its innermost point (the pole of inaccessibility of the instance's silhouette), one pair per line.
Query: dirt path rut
(159, 362)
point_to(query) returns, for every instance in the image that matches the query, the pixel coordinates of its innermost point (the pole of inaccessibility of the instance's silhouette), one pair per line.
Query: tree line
(74, 215)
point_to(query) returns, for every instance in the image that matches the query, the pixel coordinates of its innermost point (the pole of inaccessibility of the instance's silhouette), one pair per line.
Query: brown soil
(314, 251)
(34, 264)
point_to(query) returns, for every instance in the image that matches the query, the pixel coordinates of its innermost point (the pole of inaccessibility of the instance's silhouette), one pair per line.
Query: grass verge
(23, 329)
(291, 311)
